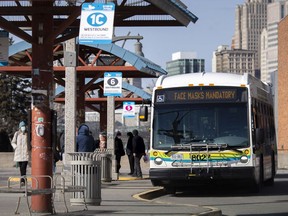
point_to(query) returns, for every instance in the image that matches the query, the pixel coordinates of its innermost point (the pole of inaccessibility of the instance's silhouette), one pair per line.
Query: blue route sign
(96, 24)
(113, 84)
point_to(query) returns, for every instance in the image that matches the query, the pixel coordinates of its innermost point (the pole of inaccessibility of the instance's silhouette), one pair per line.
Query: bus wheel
(257, 183)
(170, 190)
(270, 182)
(155, 183)
(255, 187)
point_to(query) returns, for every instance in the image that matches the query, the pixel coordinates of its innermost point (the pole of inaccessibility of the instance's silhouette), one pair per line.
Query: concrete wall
(6, 159)
(282, 160)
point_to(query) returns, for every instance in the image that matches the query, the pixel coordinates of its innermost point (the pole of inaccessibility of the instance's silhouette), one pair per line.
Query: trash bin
(105, 156)
(86, 171)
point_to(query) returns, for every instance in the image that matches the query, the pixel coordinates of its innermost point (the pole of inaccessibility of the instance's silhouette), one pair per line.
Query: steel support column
(42, 93)
(103, 116)
(80, 100)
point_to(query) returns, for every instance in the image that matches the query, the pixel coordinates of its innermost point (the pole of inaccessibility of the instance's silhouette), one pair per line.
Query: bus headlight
(244, 159)
(158, 161)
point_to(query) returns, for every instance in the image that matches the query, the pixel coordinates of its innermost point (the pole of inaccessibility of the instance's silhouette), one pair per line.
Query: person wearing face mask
(21, 148)
(119, 150)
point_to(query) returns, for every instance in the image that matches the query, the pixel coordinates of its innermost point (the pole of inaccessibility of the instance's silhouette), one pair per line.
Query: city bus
(212, 127)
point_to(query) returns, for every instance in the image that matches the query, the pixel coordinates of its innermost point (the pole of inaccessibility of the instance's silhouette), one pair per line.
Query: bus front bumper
(161, 177)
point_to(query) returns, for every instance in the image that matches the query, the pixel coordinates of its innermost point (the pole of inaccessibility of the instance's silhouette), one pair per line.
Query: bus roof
(209, 79)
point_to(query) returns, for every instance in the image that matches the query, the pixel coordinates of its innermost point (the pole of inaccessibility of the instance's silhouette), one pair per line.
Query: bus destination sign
(200, 94)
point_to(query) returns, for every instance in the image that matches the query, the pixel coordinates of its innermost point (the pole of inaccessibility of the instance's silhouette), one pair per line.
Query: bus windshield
(213, 123)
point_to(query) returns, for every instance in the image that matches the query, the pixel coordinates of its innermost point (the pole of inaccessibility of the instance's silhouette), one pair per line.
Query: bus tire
(170, 190)
(155, 183)
(270, 182)
(257, 184)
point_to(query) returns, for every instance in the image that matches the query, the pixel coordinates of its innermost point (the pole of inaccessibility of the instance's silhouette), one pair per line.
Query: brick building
(283, 92)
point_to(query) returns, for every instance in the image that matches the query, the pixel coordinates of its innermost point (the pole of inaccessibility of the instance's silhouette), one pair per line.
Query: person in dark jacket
(138, 152)
(129, 152)
(119, 150)
(84, 140)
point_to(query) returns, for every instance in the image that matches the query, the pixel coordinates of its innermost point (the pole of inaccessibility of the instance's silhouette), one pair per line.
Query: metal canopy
(140, 63)
(16, 16)
(176, 9)
(20, 52)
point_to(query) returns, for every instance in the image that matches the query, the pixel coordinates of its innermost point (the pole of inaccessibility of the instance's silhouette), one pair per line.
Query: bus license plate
(200, 157)
(177, 156)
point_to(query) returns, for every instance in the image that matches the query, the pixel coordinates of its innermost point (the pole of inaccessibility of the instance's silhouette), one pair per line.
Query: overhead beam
(104, 99)
(10, 27)
(88, 70)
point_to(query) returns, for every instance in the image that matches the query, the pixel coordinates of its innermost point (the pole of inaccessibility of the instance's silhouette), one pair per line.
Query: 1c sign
(97, 19)
(96, 24)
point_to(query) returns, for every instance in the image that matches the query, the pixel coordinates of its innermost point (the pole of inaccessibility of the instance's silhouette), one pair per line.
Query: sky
(215, 26)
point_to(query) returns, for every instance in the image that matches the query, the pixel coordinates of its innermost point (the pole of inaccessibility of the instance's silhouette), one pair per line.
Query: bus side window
(259, 136)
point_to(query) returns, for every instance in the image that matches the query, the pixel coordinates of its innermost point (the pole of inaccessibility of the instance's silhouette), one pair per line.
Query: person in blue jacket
(84, 141)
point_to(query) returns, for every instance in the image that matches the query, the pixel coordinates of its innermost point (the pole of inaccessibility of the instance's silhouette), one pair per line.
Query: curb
(150, 195)
(212, 212)
(129, 178)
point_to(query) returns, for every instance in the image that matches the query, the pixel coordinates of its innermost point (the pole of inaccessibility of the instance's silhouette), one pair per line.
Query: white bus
(210, 127)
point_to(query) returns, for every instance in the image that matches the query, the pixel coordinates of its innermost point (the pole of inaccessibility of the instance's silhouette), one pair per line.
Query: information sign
(128, 109)
(113, 84)
(96, 24)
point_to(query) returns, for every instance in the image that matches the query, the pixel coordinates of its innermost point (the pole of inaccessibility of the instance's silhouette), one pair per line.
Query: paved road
(232, 201)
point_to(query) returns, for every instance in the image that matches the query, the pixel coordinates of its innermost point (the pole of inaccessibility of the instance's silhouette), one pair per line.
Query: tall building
(185, 62)
(269, 39)
(263, 56)
(235, 61)
(214, 59)
(250, 19)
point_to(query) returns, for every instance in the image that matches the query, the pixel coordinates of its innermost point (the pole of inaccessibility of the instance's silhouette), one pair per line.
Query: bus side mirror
(143, 113)
(259, 135)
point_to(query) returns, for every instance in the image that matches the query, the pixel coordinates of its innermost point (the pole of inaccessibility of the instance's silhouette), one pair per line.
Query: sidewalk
(126, 196)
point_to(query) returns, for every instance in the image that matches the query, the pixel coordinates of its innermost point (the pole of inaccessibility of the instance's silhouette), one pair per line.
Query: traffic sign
(96, 24)
(113, 84)
(128, 109)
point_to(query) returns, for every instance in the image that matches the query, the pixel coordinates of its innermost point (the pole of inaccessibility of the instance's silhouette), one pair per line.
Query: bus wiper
(234, 148)
(199, 140)
(228, 147)
(194, 140)
(203, 146)
(177, 148)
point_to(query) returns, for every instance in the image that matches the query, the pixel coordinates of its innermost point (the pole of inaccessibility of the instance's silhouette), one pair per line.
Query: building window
(282, 11)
